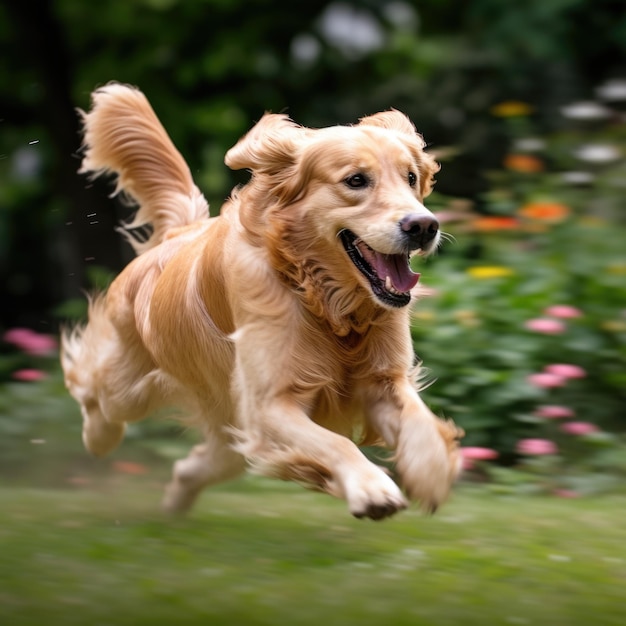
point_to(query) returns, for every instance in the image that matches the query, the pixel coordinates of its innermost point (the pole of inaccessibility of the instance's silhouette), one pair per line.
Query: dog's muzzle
(390, 275)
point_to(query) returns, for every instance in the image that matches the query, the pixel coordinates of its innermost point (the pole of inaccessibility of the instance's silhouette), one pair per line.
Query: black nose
(419, 229)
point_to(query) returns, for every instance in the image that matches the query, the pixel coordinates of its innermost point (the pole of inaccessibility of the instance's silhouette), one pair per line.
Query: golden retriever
(281, 327)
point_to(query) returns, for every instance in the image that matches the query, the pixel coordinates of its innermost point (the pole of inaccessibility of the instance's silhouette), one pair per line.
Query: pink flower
(566, 493)
(553, 411)
(29, 375)
(545, 325)
(536, 447)
(563, 311)
(546, 380)
(40, 345)
(31, 342)
(579, 428)
(17, 335)
(476, 453)
(565, 370)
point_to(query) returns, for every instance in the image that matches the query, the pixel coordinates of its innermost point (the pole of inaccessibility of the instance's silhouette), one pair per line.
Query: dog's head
(344, 201)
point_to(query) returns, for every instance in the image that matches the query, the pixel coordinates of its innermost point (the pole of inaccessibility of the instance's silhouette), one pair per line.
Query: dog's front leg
(426, 448)
(278, 439)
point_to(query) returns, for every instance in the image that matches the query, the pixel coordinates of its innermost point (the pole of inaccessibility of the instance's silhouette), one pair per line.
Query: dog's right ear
(269, 147)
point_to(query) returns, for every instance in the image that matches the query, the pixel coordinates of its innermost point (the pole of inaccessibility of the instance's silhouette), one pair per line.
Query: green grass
(263, 552)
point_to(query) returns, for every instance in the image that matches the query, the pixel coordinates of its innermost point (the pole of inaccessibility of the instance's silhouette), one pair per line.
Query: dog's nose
(420, 229)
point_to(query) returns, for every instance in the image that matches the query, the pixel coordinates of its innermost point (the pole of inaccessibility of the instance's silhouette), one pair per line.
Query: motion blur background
(523, 330)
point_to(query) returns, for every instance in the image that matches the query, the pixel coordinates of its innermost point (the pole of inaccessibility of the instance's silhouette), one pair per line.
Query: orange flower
(523, 163)
(511, 108)
(545, 211)
(129, 467)
(495, 223)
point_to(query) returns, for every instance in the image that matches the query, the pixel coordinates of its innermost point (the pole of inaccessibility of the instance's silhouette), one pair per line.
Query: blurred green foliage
(552, 239)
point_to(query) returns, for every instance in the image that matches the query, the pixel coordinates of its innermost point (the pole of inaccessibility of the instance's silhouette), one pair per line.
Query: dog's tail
(122, 135)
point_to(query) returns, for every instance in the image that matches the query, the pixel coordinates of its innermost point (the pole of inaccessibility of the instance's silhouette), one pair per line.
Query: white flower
(401, 15)
(585, 111)
(613, 90)
(305, 49)
(352, 30)
(530, 144)
(26, 162)
(598, 153)
(578, 178)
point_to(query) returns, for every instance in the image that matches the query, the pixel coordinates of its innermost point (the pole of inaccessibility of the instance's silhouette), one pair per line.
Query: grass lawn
(265, 552)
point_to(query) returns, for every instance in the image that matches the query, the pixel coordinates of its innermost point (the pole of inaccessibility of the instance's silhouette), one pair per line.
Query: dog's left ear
(395, 120)
(269, 147)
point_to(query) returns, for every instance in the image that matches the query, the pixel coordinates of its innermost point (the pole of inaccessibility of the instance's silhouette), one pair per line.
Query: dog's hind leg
(100, 436)
(113, 379)
(106, 411)
(106, 414)
(207, 464)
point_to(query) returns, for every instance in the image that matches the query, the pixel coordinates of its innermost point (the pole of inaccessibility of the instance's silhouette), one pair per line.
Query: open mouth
(389, 275)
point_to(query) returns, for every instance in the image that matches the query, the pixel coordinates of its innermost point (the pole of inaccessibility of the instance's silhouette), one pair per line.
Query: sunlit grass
(262, 552)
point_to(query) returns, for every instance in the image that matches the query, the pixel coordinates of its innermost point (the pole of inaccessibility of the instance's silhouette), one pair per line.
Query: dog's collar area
(389, 275)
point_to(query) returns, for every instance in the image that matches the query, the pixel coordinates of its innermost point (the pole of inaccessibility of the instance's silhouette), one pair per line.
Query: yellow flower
(614, 326)
(511, 108)
(617, 268)
(593, 221)
(490, 271)
(423, 315)
(467, 318)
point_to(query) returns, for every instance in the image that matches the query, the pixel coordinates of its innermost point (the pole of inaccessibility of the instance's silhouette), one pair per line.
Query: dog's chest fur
(332, 387)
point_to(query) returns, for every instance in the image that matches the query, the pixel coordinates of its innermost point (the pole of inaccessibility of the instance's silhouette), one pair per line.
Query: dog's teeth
(389, 286)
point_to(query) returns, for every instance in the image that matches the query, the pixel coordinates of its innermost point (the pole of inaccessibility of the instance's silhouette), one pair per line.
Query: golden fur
(257, 324)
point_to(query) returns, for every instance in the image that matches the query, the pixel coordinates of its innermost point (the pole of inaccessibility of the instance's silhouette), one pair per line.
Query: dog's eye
(412, 179)
(357, 180)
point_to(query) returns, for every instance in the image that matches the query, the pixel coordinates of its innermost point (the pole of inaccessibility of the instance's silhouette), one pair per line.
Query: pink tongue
(397, 268)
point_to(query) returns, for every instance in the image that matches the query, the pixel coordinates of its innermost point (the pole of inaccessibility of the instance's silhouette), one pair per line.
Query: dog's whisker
(449, 237)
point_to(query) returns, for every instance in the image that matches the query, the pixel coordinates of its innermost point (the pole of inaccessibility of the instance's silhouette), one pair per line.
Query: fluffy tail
(123, 135)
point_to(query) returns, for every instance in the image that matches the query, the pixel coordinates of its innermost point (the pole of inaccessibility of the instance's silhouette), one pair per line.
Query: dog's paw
(374, 495)
(177, 500)
(428, 462)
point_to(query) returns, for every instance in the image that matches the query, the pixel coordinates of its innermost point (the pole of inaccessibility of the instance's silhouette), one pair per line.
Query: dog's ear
(270, 146)
(394, 120)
